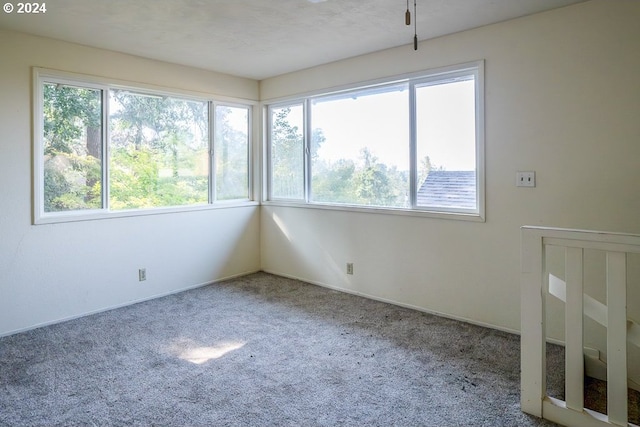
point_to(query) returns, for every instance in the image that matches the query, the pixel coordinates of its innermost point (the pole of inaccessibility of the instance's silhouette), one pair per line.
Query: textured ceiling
(260, 38)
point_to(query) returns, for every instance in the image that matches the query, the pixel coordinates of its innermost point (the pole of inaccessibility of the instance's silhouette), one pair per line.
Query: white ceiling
(260, 38)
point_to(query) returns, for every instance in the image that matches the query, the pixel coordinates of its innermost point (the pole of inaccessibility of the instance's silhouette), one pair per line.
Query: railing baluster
(617, 338)
(574, 353)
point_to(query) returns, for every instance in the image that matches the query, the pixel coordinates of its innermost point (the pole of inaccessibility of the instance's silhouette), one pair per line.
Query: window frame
(355, 93)
(413, 80)
(213, 104)
(42, 76)
(305, 149)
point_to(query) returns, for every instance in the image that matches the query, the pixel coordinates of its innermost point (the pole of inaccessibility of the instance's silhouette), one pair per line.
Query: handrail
(534, 287)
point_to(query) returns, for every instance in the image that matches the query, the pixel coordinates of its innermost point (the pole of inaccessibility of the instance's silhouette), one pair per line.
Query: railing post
(532, 340)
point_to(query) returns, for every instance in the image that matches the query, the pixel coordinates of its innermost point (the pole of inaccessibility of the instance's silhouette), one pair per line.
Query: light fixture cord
(407, 15)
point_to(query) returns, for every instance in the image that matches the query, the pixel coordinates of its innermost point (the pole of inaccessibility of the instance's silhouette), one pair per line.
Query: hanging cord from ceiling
(407, 15)
(407, 21)
(415, 27)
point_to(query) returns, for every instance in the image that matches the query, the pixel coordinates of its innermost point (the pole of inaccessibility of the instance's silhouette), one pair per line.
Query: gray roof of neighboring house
(450, 189)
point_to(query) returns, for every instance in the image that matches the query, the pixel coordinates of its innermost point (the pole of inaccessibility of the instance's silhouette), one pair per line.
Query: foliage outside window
(287, 152)
(413, 144)
(107, 149)
(358, 157)
(158, 151)
(72, 147)
(232, 149)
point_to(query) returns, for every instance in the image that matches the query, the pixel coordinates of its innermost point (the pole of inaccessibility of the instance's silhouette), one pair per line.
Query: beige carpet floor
(262, 350)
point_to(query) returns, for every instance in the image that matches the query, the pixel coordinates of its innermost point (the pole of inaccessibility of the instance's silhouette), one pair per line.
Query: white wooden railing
(535, 287)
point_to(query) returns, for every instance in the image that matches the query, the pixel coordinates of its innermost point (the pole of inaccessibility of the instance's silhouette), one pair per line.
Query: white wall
(562, 99)
(57, 271)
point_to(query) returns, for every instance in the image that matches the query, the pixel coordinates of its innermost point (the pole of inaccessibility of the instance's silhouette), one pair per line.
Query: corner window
(413, 144)
(287, 152)
(231, 153)
(102, 149)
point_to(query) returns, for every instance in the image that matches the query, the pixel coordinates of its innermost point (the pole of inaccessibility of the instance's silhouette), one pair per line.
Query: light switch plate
(525, 179)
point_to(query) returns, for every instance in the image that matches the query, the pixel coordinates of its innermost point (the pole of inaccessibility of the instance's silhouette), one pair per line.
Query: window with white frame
(231, 144)
(409, 144)
(102, 148)
(359, 152)
(287, 152)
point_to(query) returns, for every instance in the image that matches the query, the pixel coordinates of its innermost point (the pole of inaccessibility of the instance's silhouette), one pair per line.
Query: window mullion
(307, 150)
(212, 153)
(413, 156)
(250, 157)
(268, 162)
(106, 152)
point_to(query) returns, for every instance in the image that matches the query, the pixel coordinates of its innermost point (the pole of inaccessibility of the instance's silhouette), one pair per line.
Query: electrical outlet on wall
(349, 268)
(142, 274)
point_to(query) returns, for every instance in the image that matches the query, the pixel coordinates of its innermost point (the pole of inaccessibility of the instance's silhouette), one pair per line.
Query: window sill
(459, 216)
(58, 217)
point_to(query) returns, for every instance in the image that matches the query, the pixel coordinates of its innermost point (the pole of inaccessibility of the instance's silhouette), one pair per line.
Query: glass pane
(72, 155)
(232, 153)
(446, 145)
(287, 152)
(360, 148)
(159, 151)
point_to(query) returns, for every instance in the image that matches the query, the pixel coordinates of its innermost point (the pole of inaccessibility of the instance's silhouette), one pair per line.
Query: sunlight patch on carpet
(202, 354)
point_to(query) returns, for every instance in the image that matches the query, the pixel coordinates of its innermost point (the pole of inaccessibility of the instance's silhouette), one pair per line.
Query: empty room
(209, 216)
